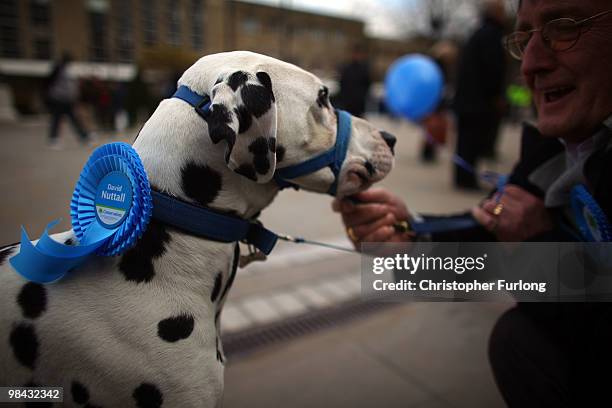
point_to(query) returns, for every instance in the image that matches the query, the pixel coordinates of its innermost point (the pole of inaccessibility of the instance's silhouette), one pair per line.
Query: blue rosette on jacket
(110, 209)
(589, 217)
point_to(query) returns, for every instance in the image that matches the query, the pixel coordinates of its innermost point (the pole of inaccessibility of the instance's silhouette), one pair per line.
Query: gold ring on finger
(351, 234)
(498, 209)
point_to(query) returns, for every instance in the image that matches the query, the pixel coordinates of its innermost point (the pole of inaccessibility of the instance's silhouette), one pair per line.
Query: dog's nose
(389, 139)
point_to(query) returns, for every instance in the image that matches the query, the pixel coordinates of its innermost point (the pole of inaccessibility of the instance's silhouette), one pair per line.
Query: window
(42, 48)
(174, 23)
(124, 36)
(9, 32)
(148, 12)
(98, 29)
(197, 24)
(249, 25)
(40, 13)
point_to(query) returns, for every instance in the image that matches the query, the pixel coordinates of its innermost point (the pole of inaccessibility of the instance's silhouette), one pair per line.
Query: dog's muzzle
(333, 158)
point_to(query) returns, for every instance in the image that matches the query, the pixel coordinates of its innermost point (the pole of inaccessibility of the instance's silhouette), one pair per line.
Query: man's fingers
(373, 195)
(484, 218)
(516, 192)
(365, 214)
(366, 229)
(383, 234)
(336, 205)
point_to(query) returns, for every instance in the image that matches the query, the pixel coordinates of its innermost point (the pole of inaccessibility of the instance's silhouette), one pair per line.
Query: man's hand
(516, 216)
(372, 218)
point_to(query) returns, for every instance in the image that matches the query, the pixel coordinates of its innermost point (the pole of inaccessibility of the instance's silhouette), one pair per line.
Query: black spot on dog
(217, 287)
(219, 80)
(6, 251)
(280, 153)
(272, 144)
(257, 99)
(200, 183)
(259, 148)
(247, 171)
(219, 355)
(323, 97)
(32, 299)
(175, 328)
(69, 242)
(237, 79)
(369, 167)
(217, 316)
(244, 118)
(137, 263)
(24, 342)
(265, 80)
(230, 281)
(218, 118)
(148, 396)
(79, 392)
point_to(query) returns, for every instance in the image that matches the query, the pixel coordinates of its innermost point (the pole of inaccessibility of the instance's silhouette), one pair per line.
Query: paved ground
(411, 355)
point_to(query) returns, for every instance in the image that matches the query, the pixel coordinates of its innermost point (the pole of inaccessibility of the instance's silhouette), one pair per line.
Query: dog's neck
(181, 161)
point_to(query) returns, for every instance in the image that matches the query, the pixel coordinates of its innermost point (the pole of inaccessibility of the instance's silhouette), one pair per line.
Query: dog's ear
(243, 113)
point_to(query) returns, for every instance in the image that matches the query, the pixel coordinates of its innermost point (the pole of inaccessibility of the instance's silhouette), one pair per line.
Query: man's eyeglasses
(559, 35)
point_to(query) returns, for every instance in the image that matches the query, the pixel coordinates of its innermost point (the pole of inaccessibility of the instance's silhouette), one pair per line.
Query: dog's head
(264, 115)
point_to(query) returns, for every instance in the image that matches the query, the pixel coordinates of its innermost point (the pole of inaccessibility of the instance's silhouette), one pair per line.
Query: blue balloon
(413, 86)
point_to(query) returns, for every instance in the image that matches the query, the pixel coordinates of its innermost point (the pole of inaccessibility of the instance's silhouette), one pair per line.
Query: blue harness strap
(333, 158)
(446, 224)
(207, 223)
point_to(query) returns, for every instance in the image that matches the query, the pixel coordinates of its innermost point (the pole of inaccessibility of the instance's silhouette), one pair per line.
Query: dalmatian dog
(142, 329)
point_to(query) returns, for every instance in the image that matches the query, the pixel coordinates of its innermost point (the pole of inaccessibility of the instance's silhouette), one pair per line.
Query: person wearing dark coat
(479, 93)
(61, 95)
(541, 354)
(355, 83)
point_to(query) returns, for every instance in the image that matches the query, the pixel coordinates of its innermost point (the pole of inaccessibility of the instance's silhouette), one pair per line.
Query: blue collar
(333, 158)
(207, 223)
(201, 103)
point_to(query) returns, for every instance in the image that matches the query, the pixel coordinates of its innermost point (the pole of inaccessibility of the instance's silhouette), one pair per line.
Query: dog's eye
(323, 97)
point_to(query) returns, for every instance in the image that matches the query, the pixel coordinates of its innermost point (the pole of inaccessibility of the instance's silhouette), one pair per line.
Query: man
(479, 94)
(543, 355)
(61, 97)
(355, 82)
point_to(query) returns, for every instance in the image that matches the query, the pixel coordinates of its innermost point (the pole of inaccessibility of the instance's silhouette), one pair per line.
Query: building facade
(174, 33)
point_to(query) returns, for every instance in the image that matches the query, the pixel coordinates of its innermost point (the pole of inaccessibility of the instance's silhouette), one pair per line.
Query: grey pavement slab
(412, 355)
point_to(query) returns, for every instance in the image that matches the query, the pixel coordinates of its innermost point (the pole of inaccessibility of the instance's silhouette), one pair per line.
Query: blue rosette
(119, 159)
(110, 209)
(590, 218)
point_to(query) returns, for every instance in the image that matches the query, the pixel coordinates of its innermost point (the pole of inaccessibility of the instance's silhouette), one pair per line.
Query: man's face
(573, 88)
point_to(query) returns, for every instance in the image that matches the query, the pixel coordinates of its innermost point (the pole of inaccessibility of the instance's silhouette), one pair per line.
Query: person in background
(542, 354)
(435, 125)
(355, 83)
(479, 96)
(61, 95)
